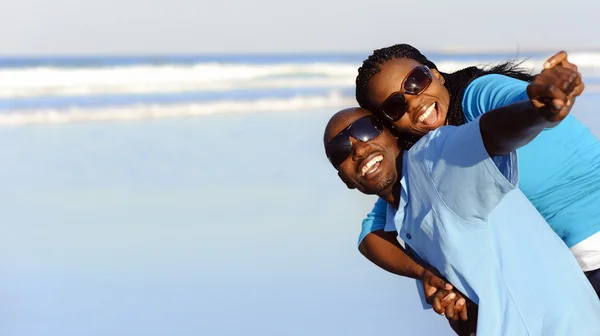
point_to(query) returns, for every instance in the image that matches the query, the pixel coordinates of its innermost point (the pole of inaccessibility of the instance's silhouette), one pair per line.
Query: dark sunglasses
(364, 129)
(417, 81)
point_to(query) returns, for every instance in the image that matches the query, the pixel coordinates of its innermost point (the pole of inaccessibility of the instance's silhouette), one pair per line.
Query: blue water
(215, 225)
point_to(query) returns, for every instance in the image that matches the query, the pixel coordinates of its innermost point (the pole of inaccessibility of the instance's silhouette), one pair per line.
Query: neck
(392, 193)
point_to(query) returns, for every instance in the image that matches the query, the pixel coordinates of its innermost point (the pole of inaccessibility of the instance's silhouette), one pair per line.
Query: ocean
(189, 195)
(66, 89)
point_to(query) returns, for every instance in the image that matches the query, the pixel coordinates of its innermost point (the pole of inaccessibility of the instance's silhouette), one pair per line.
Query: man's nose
(361, 149)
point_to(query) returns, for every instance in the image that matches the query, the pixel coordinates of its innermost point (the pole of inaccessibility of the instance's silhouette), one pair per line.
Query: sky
(41, 27)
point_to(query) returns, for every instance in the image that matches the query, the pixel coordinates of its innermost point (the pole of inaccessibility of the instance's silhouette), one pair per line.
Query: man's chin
(380, 187)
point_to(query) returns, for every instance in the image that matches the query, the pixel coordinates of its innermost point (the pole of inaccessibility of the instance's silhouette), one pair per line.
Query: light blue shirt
(560, 169)
(459, 211)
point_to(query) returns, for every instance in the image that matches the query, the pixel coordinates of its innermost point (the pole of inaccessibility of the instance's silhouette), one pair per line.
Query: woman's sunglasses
(417, 81)
(364, 129)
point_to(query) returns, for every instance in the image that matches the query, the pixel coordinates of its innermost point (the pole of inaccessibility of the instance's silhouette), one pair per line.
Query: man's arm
(382, 249)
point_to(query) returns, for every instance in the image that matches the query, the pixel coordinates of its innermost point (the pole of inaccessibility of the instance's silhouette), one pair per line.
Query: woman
(404, 89)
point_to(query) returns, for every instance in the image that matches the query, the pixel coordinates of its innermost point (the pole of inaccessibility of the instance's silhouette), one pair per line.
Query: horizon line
(440, 50)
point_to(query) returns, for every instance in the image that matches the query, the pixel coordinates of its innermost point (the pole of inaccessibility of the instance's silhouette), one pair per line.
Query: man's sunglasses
(417, 81)
(364, 129)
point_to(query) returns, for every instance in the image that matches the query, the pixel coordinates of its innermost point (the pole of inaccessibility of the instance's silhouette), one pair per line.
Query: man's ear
(438, 75)
(348, 184)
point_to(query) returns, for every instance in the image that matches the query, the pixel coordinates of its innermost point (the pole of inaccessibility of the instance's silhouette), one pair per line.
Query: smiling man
(453, 199)
(380, 161)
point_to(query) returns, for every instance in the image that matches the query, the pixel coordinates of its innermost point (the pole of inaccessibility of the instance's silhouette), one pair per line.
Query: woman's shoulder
(495, 79)
(492, 91)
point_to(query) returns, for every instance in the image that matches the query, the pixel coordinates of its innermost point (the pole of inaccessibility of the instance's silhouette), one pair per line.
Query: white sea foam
(147, 79)
(32, 82)
(138, 112)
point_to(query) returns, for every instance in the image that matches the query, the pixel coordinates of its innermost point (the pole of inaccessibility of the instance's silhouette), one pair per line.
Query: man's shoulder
(433, 142)
(422, 156)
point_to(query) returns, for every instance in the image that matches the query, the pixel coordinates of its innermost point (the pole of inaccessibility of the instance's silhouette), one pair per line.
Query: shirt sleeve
(375, 219)
(469, 182)
(490, 92)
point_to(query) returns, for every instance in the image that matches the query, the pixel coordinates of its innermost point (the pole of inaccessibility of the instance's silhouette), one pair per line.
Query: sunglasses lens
(364, 129)
(395, 107)
(417, 81)
(338, 149)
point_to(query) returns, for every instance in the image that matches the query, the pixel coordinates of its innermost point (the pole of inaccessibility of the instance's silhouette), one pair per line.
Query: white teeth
(427, 113)
(367, 167)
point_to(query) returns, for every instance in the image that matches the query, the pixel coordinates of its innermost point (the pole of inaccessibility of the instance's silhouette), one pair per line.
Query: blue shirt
(559, 169)
(459, 211)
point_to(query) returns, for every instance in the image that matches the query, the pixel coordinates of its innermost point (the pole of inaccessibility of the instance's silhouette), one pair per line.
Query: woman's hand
(553, 91)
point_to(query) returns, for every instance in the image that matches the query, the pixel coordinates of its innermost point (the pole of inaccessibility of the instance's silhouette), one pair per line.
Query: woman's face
(426, 111)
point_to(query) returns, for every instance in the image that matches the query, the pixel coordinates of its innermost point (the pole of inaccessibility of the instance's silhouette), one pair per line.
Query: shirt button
(408, 236)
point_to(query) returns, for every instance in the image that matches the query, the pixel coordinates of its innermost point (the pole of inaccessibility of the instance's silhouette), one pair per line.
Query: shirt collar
(394, 218)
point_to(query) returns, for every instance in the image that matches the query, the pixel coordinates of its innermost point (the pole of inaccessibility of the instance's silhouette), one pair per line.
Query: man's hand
(432, 282)
(553, 91)
(442, 297)
(451, 304)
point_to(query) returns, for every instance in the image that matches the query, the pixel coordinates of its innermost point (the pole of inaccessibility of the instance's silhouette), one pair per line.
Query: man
(458, 208)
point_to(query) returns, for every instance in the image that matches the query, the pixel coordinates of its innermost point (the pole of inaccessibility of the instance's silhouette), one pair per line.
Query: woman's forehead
(390, 77)
(398, 67)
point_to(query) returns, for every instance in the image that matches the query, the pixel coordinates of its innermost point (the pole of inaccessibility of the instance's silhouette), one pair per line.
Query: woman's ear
(438, 75)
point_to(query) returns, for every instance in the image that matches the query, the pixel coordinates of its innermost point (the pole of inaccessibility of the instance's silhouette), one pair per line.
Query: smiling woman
(416, 92)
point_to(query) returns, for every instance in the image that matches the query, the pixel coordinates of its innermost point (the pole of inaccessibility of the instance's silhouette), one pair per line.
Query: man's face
(370, 165)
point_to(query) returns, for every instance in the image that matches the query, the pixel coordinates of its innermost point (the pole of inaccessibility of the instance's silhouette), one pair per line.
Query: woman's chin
(423, 129)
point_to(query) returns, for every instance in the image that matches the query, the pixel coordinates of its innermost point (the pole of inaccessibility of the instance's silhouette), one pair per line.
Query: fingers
(548, 94)
(429, 290)
(461, 307)
(438, 282)
(450, 314)
(569, 79)
(441, 299)
(558, 58)
(560, 65)
(578, 90)
(565, 79)
(437, 306)
(438, 293)
(450, 304)
(445, 304)
(448, 299)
